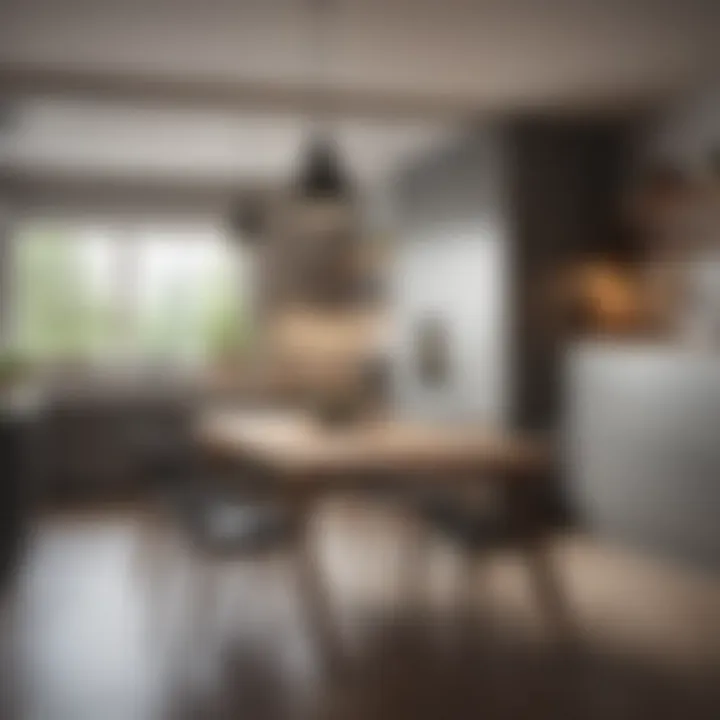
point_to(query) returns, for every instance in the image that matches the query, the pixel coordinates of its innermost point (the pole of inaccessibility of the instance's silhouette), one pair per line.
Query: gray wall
(686, 132)
(453, 263)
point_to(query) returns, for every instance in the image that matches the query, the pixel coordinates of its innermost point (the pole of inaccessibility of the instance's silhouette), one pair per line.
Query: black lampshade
(322, 175)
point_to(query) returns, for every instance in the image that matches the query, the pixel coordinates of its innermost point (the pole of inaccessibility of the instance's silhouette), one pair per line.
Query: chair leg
(157, 564)
(471, 594)
(204, 580)
(193, 655)
(153, 557)
(547, 586)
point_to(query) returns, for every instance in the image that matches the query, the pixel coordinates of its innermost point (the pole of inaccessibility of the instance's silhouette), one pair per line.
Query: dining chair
(492, 519)
(199, 517)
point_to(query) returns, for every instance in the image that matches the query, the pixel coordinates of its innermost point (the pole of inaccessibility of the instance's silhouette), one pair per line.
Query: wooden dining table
(308, 460)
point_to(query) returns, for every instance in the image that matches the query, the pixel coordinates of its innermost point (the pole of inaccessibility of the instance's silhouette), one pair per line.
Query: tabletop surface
(294, 442)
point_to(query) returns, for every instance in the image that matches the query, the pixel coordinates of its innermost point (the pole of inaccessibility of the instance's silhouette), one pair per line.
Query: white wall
(453, 264)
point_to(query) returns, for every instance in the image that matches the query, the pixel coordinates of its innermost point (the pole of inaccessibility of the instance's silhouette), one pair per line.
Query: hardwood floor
(100, 625)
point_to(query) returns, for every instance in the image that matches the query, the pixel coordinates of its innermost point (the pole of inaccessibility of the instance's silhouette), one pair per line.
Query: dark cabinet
(17, 429)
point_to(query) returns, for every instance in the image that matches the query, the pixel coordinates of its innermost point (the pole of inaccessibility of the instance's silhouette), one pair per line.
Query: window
(148, 293)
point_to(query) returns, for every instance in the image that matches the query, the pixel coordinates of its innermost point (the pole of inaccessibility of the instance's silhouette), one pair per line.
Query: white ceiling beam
(37, 188)
(22, 81)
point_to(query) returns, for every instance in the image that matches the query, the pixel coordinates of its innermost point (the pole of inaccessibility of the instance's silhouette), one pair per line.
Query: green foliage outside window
(70, 302)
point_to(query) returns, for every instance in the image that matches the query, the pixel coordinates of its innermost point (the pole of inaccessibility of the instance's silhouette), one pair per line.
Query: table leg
(413, 567)
(313, 593)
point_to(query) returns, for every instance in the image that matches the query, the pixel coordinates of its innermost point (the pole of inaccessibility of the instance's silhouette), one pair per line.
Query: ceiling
(441, 60)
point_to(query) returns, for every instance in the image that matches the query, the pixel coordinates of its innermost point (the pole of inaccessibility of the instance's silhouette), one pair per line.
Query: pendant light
(321, 175)
(321, 178)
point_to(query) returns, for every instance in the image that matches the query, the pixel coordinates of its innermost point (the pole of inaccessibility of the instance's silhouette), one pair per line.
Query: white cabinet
(643, 445)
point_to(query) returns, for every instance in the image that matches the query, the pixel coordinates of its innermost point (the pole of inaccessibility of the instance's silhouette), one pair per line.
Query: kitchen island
(643, 446)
